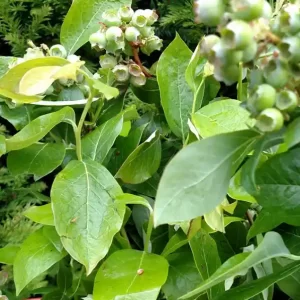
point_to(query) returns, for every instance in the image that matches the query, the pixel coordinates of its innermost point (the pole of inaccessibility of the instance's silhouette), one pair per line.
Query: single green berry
(32, 53)
(50, 90)
(114, 34)
(151, 16)
(151, 44)
(276, 73)
(121, 73)
(132, 34)
(289, 48)
(139, 18)
(138, 80)
(271, 119)
(238, 35)
(126, 13)
(146, 31)
(210, 12)
(108, 61)
(247, 10)
(250, 52)
(229, 74)
(111, 18)
(135, 70)
(263, 97)
(98, 39)
(287, 101)
(222, 55)
(58, 51)
(72, 58)
(290, 19)
(206, 45)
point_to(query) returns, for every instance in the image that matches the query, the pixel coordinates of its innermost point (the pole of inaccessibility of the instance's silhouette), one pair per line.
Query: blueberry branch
(137, 60)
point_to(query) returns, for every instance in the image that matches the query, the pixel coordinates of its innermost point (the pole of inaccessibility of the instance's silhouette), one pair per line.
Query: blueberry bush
(177, 179)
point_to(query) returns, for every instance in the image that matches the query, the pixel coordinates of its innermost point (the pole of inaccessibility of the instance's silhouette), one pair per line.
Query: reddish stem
(137, 60)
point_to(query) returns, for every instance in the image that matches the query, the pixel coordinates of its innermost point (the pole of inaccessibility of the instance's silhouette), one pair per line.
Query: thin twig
(137, 60)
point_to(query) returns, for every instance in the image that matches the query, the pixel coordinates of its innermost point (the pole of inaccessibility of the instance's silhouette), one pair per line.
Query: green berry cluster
(122, 34)
(252, 40)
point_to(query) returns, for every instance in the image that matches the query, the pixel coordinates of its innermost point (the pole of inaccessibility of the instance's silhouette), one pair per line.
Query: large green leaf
(8, 254)
(221, 117)
(200, 174)
(292, 136)
(207, 259)
(143, 162)
(176, 95)
(255, 287)
(131, 275)
(272, 246)
(19, 98)
(41, 159)
(97, 144)
(18, 117)
(37, 255)
(85, 215)
(183, 275)
(40, 214)
(83, 19)
(38, 128)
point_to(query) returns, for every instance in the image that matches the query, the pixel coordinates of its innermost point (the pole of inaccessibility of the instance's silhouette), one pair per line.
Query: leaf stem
(240, 82)
(149, 232)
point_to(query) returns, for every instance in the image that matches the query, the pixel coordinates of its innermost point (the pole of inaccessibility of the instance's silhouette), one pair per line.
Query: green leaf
(37, 254)
(292, 136)
(41, 159)
(272, 246)
(38, 128)
(183, 275)
(19, 98)
(143, 162)
(85, 193)
(133, 199)
(2, 145)
(249, 290)
(142, 276)
(8, 254)
(221, 117)
(83, 19)
(97, 144)
(40, 214)
(64, 276)
(4, 64)
(178, 240)
(193, 173)
(108, 91)
(207, 259)
(176, 95)
(18, 117)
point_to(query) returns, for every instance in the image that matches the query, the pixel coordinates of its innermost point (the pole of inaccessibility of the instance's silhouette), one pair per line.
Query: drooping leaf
(272, 246)
(178, 240)
(176, 95)
(40, 214)
(206, 258)
(38, 128)
(192, 175)
(133, 199)
(19, 98)
(221, 117)
(83, 19)
(97, 144)
(142, 276)
(37, 254)
(8, 254)
(41, 159)
(85, 215)
(108, 91)
(143, 162)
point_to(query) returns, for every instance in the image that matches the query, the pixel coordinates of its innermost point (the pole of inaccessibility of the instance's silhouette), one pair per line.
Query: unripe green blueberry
(151, 44)
(108, 61)
(290, 19)
(111, 18)
(206, 45)
(139, 18)
(121, 73)
(98, 39)
(289, 48)
(271, 119)
(238, 35)
(132, 34)
(276, 73)
(209, 12)
(138, 80)
(247, 10)
(151, 16)
(32, 53)
(50, 90)
(126, 13)
(114, 34)
(263, 97)
(229, 74)
(222, 55)
(146, 31)
(58, 51)
(250, 52)
(286, 101)
(135, 70)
